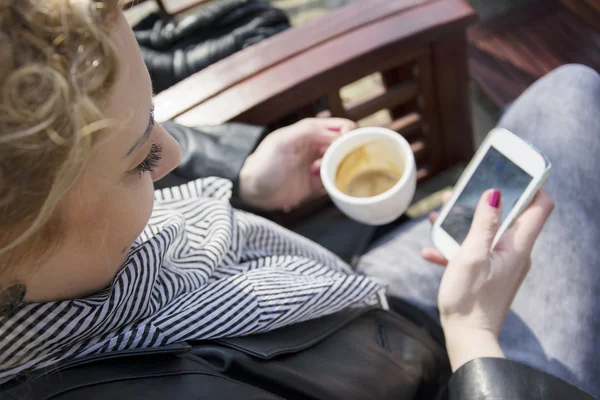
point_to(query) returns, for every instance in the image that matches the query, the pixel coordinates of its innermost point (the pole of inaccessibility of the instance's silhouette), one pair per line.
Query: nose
(170, 154)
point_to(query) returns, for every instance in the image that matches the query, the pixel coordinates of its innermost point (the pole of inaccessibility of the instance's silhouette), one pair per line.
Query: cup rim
(332, 189)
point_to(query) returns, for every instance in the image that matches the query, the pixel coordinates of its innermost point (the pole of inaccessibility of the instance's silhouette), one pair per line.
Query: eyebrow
(146, 134)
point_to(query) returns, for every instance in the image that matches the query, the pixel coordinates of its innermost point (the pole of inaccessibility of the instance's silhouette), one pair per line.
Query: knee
(569, 91)
(569, 85)
(575, 76)
(575, 70)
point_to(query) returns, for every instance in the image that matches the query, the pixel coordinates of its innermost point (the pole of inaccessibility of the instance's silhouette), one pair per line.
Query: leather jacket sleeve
(218, 150)
(500, 379)
(174, 49)
(318, 359)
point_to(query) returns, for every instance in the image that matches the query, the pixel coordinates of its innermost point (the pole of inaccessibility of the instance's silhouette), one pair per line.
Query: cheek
(132, 213)
(116, 218)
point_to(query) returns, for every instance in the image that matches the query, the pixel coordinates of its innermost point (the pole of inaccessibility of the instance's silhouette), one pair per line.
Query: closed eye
(151, 161)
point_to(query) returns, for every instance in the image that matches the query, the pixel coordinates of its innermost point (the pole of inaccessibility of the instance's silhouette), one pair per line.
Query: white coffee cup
(382, 208)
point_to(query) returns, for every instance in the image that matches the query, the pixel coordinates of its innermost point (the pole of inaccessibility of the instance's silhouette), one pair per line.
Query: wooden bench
(419, 47)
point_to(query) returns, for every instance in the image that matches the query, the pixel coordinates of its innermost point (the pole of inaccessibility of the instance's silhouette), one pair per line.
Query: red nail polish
(494, 198)
(335, 128)
(315, 171)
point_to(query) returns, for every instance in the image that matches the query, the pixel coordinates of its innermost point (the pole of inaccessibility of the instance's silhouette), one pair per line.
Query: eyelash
(151, 161)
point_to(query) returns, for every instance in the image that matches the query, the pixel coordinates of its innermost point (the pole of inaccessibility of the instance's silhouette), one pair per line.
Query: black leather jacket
(365, 353)
(174, 50)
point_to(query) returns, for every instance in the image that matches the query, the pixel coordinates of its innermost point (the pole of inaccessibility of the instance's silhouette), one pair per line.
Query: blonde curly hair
(58, 65)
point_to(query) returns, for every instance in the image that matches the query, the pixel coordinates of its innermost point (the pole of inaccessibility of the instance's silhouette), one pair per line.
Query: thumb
(486, 222)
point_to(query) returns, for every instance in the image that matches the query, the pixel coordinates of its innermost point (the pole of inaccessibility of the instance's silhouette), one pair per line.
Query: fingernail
(494, 198)
(335, 128)
(315, 171)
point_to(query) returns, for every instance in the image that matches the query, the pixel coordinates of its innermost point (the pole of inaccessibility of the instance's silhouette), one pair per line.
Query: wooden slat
(423, 174)
(382, 98)
(431, 113)
(275, 92)
(529, 38)
(586, 9)
(306, 111)
(508, 54)
(569, 42)
(407, 124)
(394, 77)
(417, 146)
(581, 37)
(513, 19)
(248, 62)
(419, 149)
(496, 78)
(453, 96)
(336, 106)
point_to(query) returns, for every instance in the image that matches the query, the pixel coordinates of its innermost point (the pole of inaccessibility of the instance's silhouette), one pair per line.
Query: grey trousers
(554, 322)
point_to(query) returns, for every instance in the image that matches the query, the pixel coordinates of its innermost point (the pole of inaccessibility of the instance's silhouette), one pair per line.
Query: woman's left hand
(481, 281)
(285, 168)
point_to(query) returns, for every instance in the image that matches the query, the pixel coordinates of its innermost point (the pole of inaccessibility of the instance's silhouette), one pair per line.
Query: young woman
(112, 290)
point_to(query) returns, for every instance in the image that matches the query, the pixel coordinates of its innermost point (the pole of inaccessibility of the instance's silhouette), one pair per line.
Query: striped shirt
(199, 270)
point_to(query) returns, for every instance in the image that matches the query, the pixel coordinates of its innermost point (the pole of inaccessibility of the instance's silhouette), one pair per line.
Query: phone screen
(494, 172)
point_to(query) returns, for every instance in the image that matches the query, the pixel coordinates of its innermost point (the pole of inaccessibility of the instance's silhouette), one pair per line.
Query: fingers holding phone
(521, 236)
(469, 312)
(487, 235)
(481, 281)
(468, 295)
(505, 162)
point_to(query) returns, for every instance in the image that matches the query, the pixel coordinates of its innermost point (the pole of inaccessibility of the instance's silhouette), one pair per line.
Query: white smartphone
(504, 162)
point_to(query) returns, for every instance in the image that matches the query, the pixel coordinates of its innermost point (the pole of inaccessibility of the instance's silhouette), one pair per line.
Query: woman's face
(111, 203)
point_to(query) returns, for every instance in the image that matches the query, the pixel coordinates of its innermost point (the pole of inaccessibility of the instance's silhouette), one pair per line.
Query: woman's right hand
(480, 282)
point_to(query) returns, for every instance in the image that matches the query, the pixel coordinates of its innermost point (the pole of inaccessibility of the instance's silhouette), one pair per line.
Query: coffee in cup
(367, 171)
(370, 175)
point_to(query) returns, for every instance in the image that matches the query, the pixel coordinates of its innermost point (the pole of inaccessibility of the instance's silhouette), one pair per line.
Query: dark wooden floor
(508, 53)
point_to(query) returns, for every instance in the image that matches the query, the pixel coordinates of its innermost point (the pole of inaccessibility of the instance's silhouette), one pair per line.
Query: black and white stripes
(200, 270)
